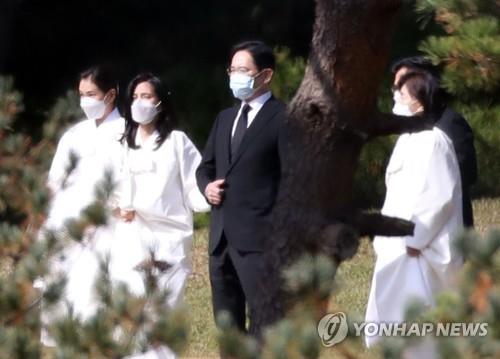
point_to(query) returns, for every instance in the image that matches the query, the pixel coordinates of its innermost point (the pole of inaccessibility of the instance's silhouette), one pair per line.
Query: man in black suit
(455, 127)
(240, 174)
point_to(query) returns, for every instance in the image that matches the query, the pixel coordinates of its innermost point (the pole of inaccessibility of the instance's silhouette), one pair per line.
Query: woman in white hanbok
(156, 197)
(423, 186)
(157, 192)
(89, 141)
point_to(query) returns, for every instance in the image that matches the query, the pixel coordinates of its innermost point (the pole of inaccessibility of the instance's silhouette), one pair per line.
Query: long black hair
(165, 120)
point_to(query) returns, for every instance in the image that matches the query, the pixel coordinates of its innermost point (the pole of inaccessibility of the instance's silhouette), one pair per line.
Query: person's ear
(112, 96)
(268, 75)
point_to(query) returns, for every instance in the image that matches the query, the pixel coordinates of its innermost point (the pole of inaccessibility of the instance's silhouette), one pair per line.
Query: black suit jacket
(460, 133)
(252, 176)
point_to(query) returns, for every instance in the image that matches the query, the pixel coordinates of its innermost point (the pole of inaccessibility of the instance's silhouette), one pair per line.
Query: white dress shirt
(256, 104)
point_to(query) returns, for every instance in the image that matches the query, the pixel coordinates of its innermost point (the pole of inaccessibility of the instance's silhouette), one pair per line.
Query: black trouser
(234, 277)
(467, 208)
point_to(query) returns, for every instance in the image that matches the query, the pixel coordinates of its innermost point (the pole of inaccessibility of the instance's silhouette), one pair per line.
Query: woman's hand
(126, 215)
(412, 252)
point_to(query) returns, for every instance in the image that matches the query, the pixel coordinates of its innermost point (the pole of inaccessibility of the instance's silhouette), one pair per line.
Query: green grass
(202, 341)
(353, 284)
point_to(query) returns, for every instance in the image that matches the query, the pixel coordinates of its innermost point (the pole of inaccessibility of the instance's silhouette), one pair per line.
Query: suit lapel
(265, 114)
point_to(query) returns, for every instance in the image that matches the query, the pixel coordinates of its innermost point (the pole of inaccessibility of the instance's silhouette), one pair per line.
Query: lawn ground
(353, 281)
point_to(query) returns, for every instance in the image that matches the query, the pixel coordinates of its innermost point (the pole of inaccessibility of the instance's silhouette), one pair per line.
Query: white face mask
(143, 111)
(400, 108)
(242, 85)
(94, 109)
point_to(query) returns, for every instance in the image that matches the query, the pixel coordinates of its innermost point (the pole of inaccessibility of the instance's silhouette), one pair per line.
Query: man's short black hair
(262, 54)
(416, 63)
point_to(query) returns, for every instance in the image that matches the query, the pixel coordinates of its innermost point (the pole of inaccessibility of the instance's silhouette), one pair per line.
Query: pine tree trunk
(331, 117)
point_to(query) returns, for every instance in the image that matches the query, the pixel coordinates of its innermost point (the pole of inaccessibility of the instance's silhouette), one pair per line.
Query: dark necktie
(239, 132)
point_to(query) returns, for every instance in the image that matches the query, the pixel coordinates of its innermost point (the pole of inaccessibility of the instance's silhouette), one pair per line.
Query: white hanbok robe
(93, 146)
(160, 186)
(423, 186)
